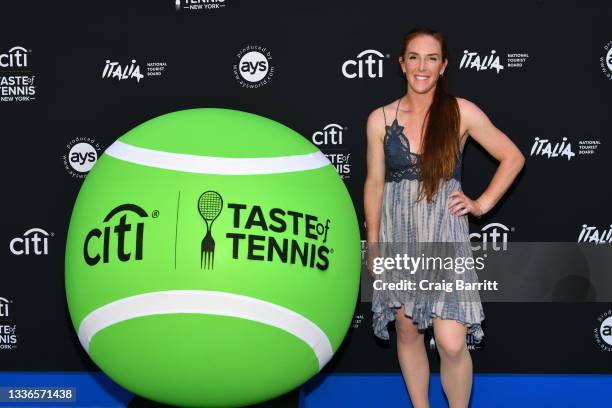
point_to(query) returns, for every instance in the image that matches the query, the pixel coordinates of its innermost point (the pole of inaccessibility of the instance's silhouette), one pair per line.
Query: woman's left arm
(498, 145)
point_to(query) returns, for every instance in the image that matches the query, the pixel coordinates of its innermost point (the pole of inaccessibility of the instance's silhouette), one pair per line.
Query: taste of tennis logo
(265, 234)
(605, 61)
(16, 78)
(473, 343)
(603, 331)
(81, 155)
(254, 68)
(199, 4)
(8, 330)
(330, 141)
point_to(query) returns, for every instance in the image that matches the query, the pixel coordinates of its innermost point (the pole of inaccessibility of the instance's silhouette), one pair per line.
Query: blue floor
(361, 390)
(489, 390)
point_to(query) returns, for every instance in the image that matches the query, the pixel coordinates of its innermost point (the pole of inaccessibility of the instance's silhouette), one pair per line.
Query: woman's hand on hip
(459, 204)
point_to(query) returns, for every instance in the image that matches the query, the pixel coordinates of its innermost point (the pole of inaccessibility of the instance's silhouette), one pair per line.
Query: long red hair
(440, 130)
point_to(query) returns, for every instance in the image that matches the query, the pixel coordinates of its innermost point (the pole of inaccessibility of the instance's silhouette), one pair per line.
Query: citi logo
(4, 307)
(369, 63)
(34, 241)
(491, 234)
(472, 60)
(544, 147)
(16, 57)
(113, 69)
(330, 135)
(594, 235)
(123, 235)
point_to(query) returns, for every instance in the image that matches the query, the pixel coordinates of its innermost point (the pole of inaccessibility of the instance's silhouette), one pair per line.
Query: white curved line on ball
(208, 303)
(216, 165)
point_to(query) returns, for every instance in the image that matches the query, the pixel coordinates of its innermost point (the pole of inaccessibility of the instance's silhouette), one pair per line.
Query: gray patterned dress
(407, 223)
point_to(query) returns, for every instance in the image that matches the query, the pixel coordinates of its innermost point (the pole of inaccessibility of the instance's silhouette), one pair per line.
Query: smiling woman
(413, 194)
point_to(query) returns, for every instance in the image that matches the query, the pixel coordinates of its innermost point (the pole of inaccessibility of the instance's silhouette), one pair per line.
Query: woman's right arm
(375, 179)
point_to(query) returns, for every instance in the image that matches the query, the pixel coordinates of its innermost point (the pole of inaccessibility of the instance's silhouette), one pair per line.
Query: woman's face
(422, 63)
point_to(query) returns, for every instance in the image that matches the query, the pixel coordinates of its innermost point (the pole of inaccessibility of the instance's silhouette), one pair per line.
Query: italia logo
(114, 70)
(548, 149)
(473, 60)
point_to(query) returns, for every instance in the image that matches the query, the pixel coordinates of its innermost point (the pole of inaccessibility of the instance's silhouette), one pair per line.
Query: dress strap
(397, 109)
(384, 116)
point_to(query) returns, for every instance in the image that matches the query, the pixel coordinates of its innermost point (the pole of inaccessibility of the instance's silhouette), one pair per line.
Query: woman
(413, 194)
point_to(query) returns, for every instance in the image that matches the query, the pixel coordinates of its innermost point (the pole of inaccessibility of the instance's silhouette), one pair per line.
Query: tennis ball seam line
(210, 303)
(190, 163)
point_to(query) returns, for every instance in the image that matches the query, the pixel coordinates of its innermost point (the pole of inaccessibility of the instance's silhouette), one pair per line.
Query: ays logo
(121, 238)
(603, 331)
(262, 234)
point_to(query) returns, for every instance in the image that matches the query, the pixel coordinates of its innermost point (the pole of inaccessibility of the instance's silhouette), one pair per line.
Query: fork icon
(207, 257)
(210, 204)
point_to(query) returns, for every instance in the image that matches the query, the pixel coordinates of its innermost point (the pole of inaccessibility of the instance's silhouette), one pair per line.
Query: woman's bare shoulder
(466, 107)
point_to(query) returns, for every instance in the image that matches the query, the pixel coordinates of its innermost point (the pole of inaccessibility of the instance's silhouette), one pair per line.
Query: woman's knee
(452, 348)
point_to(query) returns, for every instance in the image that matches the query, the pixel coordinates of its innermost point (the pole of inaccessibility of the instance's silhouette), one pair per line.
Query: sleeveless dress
(413, 225)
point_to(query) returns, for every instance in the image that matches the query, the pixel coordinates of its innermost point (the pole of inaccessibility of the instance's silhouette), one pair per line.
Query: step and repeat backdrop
(74, 76)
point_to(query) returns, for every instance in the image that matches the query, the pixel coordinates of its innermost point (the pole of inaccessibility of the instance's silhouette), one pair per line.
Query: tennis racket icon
(209, 206)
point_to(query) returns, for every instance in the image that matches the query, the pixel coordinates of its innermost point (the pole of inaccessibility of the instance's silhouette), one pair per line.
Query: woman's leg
(455, 361)
(412, 359)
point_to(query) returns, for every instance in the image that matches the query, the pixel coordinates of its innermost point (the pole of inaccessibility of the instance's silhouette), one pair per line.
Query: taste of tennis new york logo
(264, 234)
(191, 5)
(254, 68)
(330, 141)
(603, 331)
(16, 78)
(8, 329)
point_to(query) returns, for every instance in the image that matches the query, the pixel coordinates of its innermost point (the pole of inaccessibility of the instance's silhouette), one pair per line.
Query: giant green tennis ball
(212, 259)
